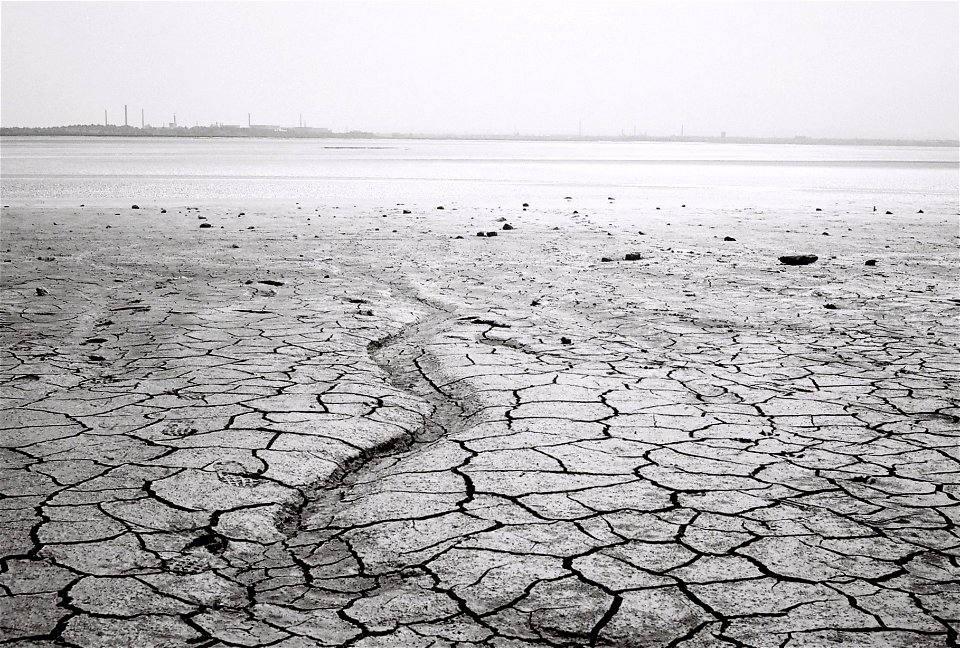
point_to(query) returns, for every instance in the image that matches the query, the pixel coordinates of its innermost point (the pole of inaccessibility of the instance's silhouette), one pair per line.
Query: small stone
(683, 205)
(565, 340)
(481, 234)
(241, 214)
(41, 291)
(605, 260)
(870, 262)
(489, 234)
(729, 238)
(134, 206)
(407, 211)
(456, 237)
(163, 211)
(830, 306)
(826, 233)
(919, 211)
(205, 225)
(632, 256)
(818, 209)
(507, 226)
(642, 233)
(798, 259)
(526, 204)
(235, 246)
(889, 213)
(440, 207)
(97, 358)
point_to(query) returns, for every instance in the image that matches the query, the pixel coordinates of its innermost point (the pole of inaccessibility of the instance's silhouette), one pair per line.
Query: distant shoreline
(316, 133)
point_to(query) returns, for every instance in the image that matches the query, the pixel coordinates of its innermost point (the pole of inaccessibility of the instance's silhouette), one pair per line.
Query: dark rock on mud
(798, 259)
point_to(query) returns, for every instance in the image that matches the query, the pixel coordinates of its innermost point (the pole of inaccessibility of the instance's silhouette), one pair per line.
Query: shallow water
(383, 173)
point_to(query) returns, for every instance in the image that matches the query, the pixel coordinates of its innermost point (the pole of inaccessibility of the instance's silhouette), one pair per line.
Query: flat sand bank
(308, 426)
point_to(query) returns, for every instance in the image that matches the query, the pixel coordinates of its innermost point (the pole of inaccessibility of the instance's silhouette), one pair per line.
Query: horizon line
(311, 132)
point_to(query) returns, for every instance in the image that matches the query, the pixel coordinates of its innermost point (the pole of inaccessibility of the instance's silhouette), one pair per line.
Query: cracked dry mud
(386, 444)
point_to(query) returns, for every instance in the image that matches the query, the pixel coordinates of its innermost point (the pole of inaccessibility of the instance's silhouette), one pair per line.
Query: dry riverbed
(308, 426)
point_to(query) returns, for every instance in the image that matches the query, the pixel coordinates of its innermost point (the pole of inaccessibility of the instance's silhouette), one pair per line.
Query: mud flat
(308, 426)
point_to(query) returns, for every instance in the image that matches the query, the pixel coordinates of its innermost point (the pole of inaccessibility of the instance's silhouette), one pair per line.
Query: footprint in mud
(178, 429)
(198, 555)
(287, 519)
(236, 474)
(240, 481)
(188, 563)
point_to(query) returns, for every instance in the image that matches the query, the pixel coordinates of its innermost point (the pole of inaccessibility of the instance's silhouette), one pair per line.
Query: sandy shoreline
(715, 455)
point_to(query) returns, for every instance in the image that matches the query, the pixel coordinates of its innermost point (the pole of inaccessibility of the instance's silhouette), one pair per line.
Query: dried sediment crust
(393, 447)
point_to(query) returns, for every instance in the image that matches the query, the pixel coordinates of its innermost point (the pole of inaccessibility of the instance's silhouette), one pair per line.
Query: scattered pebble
(729, 238)
(632, 256)
(489, 234)
(205, 225)
(870, 262)
(507, 226)
(41, 291)
(565, 340)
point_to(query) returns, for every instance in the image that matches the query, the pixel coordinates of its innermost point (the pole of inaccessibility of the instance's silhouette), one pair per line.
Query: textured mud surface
(356, 430)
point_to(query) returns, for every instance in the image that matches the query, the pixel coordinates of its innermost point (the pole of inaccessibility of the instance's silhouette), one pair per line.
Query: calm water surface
(382, 173)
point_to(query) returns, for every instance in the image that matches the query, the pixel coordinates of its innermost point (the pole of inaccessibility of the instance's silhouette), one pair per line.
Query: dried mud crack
(190, 457)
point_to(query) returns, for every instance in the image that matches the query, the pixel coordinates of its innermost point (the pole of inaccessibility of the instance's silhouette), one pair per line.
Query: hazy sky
(821, 69)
